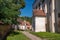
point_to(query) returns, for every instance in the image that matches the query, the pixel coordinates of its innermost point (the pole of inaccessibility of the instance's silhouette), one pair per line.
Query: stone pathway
(31, 36)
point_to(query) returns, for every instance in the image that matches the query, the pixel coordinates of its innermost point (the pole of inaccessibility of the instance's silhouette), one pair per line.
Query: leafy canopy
(9, 10)
(27, 19)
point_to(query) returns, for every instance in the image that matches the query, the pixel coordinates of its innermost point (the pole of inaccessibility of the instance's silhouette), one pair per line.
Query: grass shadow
(13, 33)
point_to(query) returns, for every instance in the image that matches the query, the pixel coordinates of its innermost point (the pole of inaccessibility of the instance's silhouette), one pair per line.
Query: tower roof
(38, 13)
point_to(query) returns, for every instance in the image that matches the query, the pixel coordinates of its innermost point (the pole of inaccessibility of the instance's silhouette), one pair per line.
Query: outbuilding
(38, 21)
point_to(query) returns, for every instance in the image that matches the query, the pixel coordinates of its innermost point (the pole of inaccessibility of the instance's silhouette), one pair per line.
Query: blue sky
(27, 11)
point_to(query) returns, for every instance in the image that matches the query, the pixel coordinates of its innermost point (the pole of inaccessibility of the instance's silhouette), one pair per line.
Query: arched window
(59, 15)
(50, 1)
(39, 5)
(42, 1)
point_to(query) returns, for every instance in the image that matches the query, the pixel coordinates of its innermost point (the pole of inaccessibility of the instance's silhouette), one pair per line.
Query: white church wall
(40, 24)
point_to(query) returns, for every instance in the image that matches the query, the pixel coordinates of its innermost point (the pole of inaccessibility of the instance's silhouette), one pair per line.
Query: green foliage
(27, 19)
(17, 36)
(9, 10)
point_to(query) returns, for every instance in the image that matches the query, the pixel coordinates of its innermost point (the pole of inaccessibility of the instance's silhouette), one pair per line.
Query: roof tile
(38, 12)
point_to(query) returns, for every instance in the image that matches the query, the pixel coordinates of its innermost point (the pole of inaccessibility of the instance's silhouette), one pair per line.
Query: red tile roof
(27, 23)
(38, 12)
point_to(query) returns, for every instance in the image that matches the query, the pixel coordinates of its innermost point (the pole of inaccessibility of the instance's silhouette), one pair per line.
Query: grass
(17, 36)
(47, 35)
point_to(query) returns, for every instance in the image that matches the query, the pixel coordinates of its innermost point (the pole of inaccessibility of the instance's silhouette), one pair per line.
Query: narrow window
(59, 15)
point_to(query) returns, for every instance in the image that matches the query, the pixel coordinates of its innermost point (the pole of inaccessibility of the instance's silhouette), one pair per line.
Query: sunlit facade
(52, 11)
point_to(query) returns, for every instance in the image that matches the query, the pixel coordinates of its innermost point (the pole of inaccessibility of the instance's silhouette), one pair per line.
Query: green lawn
(47, 35)
(17, 36)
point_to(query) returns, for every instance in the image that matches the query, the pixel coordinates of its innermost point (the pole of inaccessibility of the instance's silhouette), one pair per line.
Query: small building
(24, 25)
(28, 25)
(38, 21)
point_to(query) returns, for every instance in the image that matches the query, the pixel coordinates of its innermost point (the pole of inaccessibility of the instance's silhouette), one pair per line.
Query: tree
(9, 10)
(27, 19)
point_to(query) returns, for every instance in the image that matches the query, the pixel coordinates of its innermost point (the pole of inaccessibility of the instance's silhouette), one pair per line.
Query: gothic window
(36, 7)
(42, 1)
(39, 5)
(59, 15)
(50, 2)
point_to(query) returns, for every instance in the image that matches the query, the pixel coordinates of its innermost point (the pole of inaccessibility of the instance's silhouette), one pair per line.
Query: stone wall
(4, 29)
(58, 25)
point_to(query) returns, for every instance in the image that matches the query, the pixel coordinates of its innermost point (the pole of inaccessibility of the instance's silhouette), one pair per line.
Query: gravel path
(31, 36)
